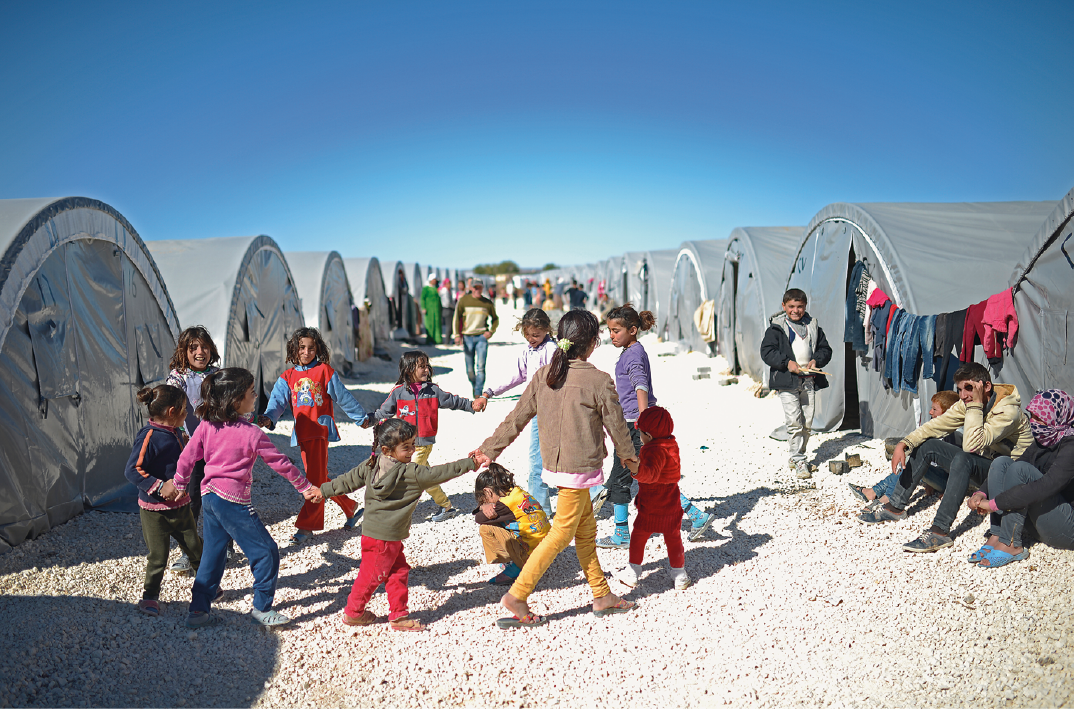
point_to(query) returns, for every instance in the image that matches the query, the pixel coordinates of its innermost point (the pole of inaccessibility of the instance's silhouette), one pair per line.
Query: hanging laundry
(878, 327)
(973, 331)
(853, 328)
(949, 331)
(926, 342)
(891, 354)
(1000, 323)
(868, 319)
(877, 298)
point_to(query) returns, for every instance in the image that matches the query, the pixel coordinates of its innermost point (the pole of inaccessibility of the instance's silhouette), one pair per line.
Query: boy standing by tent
(794, 346)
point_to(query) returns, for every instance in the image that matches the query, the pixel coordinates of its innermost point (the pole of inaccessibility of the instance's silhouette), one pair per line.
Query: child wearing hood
(393, 486)
(659, 510)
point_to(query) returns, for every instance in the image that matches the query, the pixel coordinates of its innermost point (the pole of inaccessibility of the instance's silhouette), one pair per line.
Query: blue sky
(463, 132)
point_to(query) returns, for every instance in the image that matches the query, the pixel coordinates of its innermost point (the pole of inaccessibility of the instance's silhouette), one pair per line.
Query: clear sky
(454, 133)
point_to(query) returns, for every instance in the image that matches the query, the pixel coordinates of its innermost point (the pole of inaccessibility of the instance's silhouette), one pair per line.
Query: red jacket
(309, 400)
(658, 485)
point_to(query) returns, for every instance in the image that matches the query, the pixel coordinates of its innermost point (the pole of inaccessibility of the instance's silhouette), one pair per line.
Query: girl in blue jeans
(537, 329)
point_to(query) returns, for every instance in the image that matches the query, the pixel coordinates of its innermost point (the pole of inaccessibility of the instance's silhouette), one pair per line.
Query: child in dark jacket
(794, 347)
(659, 511)
(418, 401)
(151, 468)
(393, 486)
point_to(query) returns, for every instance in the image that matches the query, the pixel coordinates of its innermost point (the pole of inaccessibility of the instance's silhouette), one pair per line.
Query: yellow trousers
(421, 457)
(574, 520)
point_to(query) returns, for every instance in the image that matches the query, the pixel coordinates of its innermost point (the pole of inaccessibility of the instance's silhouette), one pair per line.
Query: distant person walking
(430, 308)
(576, 297)
(475, 322)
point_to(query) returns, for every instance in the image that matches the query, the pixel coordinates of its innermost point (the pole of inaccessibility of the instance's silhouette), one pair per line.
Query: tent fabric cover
(325, 293)
(695, 279)
(1043, 282)
(761, 258)
(86, 322)
(930, 258)
(367, 288)
(244, 294)
(659, 266)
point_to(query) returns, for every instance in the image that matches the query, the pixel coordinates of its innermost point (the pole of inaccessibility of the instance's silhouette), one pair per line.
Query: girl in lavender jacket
(230, 445)
(537, 329)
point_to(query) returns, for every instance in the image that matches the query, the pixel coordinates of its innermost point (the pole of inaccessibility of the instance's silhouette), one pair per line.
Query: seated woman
(512, 522)
(1038, 486)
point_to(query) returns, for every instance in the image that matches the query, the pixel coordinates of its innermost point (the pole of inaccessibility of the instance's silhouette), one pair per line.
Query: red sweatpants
(672, 539)
(315, 460)
(382, 563)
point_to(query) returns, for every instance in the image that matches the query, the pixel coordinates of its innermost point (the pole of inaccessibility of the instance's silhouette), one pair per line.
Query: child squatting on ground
(309, 389)
(575, 404)
(795, 342)
(393, 486)
(151, 467)
(418, 401)
(230, 445)
(659, 510)
(634, 385)
(537, 329)
(512, 523)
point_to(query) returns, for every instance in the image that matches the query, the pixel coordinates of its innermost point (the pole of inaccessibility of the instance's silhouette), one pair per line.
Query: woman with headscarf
(1037, 489)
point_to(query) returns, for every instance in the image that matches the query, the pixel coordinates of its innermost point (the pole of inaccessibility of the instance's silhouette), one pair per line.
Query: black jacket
(1057, 464)
(776, 352)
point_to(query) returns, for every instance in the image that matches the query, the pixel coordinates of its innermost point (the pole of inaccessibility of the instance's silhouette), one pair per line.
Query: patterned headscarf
(1055, 409)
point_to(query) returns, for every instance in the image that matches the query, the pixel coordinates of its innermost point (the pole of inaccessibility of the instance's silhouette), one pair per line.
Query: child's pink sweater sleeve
(192, 453)
(280, 463)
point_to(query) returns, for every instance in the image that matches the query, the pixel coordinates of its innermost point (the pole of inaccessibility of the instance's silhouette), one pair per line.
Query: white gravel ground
(794, 602)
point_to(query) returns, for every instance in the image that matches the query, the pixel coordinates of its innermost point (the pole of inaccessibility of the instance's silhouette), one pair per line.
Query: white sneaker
(681, 579)
(628, 575)
(181, 566)
(801, 469)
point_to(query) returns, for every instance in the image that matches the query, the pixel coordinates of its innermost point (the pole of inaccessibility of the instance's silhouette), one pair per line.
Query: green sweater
(393, 493)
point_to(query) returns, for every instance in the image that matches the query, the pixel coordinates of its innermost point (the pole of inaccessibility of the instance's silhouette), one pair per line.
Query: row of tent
(718, 296)
(90, 313)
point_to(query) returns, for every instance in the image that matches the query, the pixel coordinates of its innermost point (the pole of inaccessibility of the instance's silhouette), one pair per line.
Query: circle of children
(1022, 464)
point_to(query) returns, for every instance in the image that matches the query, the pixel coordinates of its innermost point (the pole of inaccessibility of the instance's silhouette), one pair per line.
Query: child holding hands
(659, 510)
(393, 485)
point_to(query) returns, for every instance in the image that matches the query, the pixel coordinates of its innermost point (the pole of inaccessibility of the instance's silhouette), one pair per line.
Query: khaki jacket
(573, 419)
(1002, 430)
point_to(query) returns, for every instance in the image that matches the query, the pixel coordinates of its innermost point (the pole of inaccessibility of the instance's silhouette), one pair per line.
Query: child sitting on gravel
(393, 485)
(151, 467)
(417, 400)
(512, 522)
(941, 402)
(659, 511)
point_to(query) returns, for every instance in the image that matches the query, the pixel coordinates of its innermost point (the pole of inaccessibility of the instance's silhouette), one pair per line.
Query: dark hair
(496, 477)
(159, 399)
(187, 336)
(795, 294)
(221, 393)
(318, 344)
(408, 363)
(391, 432)
(535, 318)
(946, 399)
(972, 371)
(581, 328)
(631, 318)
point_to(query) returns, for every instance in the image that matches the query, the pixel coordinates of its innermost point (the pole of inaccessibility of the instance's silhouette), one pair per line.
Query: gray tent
(325, 292)
(86, 321)
(755, 270)
(241, 289)
(367, 289)
(929, 258)
(694, 280)
(613, 279)
(649, 274)
(398, 291)
(1043, 283)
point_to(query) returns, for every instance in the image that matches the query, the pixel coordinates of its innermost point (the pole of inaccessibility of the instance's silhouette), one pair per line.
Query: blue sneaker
(619, 540)
(700, 525)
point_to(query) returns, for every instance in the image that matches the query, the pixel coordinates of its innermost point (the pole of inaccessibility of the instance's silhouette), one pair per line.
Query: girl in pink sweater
(230, 445)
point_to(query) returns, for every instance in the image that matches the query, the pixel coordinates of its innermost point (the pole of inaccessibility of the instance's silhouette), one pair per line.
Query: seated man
(993, 425)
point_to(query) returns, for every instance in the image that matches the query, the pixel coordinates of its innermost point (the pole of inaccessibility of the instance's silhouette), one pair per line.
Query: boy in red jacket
(659, 511)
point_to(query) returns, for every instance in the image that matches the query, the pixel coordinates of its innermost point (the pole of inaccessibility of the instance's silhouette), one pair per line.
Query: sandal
(149, 607)
(405, 624)
(353, 521)
(981, 553)
(859, 492)
(366, 618)
(997, 558)
(501, 579)
(301, 538)
(526, 621)
(620, 607)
